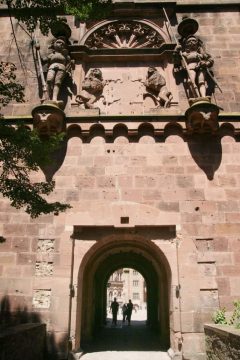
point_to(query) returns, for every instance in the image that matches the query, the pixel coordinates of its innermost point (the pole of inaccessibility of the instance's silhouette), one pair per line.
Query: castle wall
(189, 182)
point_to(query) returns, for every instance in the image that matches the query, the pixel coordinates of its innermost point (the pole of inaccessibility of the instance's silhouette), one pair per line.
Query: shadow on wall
(21, 315)
(56, 161)
(207, 153)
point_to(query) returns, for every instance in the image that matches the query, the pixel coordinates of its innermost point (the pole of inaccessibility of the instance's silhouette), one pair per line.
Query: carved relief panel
(131, 90)
(132, 60)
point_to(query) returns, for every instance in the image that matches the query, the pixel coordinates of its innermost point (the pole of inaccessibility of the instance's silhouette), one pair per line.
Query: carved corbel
(48, 120)
(202, 117)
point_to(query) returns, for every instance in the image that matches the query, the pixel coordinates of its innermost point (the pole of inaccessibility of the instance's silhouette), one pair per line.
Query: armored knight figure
(197, 62)
(92, 88)
(58, 64)
(156, 87)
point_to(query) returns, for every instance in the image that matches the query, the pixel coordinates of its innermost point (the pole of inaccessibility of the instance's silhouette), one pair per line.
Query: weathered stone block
(41, 298)
(44, 268)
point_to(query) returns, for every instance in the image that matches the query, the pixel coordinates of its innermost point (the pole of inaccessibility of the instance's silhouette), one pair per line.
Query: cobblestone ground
(123, 342)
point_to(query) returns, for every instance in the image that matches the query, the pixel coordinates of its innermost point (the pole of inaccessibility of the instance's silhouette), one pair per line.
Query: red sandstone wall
(163, 176)
(198, 180)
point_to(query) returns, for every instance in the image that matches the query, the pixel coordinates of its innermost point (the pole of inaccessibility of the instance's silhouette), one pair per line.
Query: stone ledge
(224, 330)
(222, 342)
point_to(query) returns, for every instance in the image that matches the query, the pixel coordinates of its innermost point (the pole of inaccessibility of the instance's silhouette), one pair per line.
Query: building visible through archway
(125, 284)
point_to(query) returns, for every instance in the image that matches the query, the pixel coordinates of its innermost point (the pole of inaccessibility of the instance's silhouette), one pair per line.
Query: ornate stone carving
(202, 117)
(193, 58)
(156, 88)
(48, 119)
(198, 63)
(59, 63)
(128, 34)
(92, 88)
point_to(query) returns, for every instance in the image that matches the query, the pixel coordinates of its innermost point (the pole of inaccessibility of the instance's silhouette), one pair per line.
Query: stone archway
(107, 255)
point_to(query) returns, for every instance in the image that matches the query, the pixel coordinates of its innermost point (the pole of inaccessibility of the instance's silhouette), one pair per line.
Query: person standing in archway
(114, 308)
(129, 311)
(124, 312)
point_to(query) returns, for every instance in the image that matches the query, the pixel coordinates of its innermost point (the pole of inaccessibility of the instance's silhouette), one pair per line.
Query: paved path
(126, 355)
(123, 342)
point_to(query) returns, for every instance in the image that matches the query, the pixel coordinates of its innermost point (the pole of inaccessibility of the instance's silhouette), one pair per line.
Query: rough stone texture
(41, 298)
(27, 341)
(45, 245)
(44, 268)
(130, 171)
(222, 342)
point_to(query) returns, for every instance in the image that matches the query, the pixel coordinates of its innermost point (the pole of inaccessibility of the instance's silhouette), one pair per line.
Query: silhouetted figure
(114, 308)
(124, 312)
(129, 311)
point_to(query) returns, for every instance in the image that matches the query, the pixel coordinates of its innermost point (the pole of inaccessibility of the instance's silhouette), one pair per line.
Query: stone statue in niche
(202, 115)
(156, 87)
(92, 88)
(59, 63)
(197, 63)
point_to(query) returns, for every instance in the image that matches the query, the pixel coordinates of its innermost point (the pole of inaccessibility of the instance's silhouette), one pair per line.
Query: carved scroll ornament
(126, 35)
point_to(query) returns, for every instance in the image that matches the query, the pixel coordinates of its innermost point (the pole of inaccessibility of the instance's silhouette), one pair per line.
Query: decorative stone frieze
(125, 34)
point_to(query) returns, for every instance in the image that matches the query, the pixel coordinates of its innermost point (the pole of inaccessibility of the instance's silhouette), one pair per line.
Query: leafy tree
(21, 150)
(44, 12)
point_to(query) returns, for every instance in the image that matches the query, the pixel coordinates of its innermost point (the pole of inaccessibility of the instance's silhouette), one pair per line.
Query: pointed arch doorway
(114, 249)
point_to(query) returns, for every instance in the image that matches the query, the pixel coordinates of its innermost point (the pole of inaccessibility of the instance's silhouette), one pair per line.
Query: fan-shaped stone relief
(125, 35)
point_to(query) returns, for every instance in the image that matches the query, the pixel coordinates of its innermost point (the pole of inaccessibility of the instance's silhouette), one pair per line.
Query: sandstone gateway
(149, 100)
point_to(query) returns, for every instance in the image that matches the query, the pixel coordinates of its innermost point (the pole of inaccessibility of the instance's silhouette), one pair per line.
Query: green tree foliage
(219, 317)
(9, 88)
(21, 150)
(43, 12)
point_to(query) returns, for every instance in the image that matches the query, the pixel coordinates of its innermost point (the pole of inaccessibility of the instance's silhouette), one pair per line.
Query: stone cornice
(133, 127)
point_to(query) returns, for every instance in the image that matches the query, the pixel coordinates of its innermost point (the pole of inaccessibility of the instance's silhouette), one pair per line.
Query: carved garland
(125, 35)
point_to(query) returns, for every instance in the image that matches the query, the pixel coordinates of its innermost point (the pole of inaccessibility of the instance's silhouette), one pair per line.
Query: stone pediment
(130, 34)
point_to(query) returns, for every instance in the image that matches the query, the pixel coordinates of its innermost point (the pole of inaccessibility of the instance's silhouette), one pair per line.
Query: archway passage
(99, 263)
